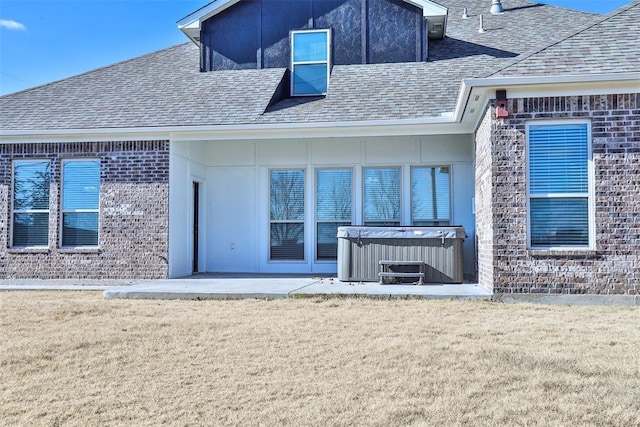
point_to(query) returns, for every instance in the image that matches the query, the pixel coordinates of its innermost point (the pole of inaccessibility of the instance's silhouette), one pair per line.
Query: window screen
(381, 196)
(286, 212)
(31, 182)
(559, 185)
(80, 202)
(333, 209)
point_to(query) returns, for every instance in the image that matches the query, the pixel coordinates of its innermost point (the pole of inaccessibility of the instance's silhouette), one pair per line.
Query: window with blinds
(286, 215)
(430, 196)
(31, 182)
(558, 167)
(80, 202)
(333, 209)
(381, 196)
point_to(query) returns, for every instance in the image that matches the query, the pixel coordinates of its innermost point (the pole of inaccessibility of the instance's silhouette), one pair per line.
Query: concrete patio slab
(207, 286)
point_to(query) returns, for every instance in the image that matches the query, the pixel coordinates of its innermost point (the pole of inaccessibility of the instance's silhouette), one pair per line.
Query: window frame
(350, 220)
(449, 203)
(589, 195)
(302, 221)
(63, 211)
(28, 211)
(294, 63)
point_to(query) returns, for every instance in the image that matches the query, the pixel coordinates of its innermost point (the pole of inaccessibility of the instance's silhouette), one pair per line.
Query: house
(245, 148)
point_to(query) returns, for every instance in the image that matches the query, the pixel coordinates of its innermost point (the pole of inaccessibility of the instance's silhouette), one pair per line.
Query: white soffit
(190, 24)
(476, 92)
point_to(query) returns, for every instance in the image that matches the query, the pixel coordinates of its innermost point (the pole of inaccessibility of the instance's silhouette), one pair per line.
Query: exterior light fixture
(496, 7)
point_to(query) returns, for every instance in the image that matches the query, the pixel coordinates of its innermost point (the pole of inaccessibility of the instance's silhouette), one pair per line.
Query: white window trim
(450, 167)
(316, 221)
(590, 183)
(294, 63)
(63, 211)
(302, 221)
(27, 211)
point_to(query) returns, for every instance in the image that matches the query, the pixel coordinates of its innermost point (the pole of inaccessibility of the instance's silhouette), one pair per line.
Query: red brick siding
(134, 219)
(614, 267)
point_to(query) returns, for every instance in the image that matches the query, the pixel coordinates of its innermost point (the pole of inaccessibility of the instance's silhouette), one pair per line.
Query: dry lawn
(77, 359)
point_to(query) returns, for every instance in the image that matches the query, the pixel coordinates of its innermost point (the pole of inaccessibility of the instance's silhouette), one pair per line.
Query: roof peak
(190, 24)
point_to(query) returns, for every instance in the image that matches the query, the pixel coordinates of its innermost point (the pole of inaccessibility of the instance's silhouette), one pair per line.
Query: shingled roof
(166, 89)
(611, 45)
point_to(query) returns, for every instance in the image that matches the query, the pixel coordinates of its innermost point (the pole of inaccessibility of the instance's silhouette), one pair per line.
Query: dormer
(308, 37)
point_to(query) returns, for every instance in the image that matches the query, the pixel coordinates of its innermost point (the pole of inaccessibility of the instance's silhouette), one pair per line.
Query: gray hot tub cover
(363, 232)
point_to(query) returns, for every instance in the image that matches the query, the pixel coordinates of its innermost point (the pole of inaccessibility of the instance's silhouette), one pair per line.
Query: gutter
(550, 80)
(433, 125)
(476, 92)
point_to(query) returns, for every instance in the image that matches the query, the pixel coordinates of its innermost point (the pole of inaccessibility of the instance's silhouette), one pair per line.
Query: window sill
(562, 252)
(30, 250)
(79, 250)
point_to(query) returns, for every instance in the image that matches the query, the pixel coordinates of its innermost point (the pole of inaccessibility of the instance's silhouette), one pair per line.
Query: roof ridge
(94, 70)
(526, 56)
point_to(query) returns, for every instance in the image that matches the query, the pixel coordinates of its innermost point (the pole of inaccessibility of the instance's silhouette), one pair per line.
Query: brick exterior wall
(134, 212)
(614, 266)
(483, 198)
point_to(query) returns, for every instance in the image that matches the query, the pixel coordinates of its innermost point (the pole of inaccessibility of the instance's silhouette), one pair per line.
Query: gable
(255, 33)
(190, 24)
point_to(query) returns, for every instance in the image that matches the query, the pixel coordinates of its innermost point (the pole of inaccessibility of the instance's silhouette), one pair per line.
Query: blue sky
(46, 40)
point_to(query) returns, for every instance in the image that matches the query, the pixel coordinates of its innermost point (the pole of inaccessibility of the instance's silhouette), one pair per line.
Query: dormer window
(310, 62)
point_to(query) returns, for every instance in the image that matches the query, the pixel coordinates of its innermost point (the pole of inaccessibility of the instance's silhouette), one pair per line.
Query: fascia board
(439, 125)
(552, 80)
(429, 8)
(191, 22)
(476, 92)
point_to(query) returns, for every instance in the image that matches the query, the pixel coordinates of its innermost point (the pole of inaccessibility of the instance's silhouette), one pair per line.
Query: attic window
(309, 62)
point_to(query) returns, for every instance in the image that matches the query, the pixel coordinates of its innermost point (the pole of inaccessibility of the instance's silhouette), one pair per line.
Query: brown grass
(77, 359)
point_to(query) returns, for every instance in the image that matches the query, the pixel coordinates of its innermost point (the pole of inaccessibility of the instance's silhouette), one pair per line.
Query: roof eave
(445, 124)
(190, 24)
(476, 92)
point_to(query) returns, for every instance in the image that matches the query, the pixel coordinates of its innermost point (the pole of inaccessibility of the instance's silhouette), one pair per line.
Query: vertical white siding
(235, 174)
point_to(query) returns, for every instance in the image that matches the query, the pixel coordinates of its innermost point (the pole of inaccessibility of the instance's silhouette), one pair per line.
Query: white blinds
(381, 196)
(81, 185)
(80, 202)
(31, 182)
(333, 209)
(558, 159)
(559, 185)
(430, 196)
(286, 207)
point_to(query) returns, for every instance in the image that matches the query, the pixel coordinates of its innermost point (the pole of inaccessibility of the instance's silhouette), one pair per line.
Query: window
(31, 182)
(559, 182)
(430, 196)
(333, 209)
(286, 212)
(381, 196)
(309, 62)
(80, 202)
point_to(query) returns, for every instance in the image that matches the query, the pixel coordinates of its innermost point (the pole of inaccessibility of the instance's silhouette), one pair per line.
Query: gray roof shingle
(166, 88)
(611, 45)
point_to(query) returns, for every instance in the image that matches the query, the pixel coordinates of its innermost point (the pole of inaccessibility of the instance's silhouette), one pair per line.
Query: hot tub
(361, 250)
